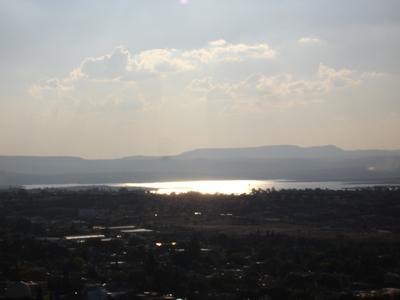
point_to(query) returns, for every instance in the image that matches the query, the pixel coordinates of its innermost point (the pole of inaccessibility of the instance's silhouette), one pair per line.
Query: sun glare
(204, 187)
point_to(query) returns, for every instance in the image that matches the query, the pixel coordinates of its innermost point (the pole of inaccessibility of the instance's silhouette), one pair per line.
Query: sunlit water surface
(218, 186)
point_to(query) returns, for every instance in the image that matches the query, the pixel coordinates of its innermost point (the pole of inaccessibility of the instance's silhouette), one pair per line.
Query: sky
(107, 79)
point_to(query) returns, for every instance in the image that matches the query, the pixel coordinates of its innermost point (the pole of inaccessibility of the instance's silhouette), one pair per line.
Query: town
(103, 243)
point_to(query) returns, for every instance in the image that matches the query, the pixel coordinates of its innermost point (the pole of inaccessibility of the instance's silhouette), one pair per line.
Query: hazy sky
(102, 79)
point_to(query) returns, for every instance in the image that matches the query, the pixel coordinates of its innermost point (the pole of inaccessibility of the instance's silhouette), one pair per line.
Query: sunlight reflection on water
(204, 186)
(217, 186)
(229, 186)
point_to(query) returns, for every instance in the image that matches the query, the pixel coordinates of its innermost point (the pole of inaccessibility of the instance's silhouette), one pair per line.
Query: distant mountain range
(319, 163)
(329, 152)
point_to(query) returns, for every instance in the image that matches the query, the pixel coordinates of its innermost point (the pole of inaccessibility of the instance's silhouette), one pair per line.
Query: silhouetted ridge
(320, 163)
(264, 152)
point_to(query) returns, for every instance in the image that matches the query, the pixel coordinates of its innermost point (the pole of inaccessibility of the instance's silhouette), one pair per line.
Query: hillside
(267, 162)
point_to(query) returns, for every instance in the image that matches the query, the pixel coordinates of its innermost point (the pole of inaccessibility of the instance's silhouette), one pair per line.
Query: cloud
(373, 75)
(277, 90)
(201, 85)
(220, 51)
(110, 66)
(52, 84)
(217, 43)
(91, 95)
(154, 77)
(286, 85)
(325, 80)
(161, 61)
(331, 77)
(122, 65)
(309, 40)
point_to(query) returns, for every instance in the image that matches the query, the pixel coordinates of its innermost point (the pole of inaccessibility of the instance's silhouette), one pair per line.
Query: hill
(268, 162)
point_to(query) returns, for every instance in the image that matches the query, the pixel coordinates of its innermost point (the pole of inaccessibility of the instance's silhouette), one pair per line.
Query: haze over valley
(322, 163)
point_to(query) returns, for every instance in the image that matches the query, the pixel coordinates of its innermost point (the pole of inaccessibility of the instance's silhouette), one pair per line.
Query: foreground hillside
(289, 244)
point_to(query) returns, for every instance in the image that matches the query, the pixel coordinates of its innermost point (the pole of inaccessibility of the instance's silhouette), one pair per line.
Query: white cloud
(125, 79)
(161, 61)
(220, 51)
(217, 43)
(122, 65)
(326, 79)
(277, 90)
(95, 95)
(174, 60)
(286, 85)
(109, 66)
(309, 40)
(52, 84)
(201, 85)
(338, 77)
(373, 75)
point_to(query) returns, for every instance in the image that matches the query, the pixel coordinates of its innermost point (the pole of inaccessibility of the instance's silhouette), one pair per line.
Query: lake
(217, 186)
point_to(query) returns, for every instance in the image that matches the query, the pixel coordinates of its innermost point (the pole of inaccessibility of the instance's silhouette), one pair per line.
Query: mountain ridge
(282, 147)
(326, 162)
